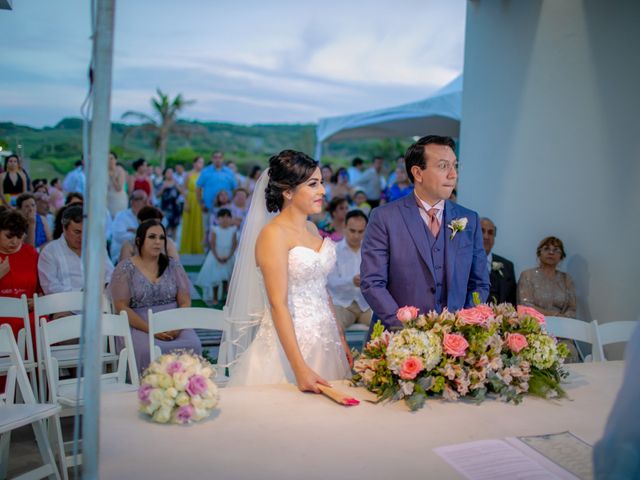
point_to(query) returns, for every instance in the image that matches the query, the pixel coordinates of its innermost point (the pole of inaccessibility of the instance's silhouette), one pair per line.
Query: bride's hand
(347, 351)
(307, 381)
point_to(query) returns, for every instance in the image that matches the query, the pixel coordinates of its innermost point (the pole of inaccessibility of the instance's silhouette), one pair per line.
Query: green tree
(163, 122)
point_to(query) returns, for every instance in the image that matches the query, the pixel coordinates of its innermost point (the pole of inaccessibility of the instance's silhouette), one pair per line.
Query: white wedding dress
(265, 362)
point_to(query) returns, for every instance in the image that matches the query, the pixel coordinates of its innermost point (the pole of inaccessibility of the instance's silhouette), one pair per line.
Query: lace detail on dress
(315, 326)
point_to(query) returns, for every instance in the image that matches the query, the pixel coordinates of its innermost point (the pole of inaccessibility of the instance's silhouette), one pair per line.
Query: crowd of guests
(152, 216)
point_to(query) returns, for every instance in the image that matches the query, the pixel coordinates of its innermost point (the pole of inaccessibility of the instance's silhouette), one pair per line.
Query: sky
(243, 61)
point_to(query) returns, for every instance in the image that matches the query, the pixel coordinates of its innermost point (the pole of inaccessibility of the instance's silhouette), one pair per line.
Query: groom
(424, 250)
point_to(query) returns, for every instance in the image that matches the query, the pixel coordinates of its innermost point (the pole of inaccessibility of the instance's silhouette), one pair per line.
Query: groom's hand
(356, 281)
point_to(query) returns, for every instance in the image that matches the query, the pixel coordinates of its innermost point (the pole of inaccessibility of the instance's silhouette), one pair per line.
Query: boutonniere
(457, 225)
(497, 267)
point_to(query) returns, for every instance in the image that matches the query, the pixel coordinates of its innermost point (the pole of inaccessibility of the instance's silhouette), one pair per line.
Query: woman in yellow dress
(192, 227)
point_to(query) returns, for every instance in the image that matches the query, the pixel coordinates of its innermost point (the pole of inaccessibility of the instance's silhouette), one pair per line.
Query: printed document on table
(564, 449)
(500, 460)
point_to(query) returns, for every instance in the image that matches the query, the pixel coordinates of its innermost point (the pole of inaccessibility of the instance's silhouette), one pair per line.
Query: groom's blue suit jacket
(397, 268)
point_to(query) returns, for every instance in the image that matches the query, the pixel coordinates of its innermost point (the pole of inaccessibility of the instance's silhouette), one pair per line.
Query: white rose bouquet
(178, 387)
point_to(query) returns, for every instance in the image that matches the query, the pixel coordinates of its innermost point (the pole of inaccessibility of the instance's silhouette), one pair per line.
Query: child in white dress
(218, 265)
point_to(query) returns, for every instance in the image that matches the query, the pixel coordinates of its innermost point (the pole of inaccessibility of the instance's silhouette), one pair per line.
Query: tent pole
(318, 152)
(95, 244)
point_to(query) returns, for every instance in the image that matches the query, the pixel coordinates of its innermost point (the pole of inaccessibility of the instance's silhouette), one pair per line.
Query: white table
(277, 432)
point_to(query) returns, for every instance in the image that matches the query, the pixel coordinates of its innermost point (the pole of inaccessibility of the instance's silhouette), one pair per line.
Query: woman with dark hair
(140, 180)
(340, 184)
(129, 248)
(13, 181)
(18, 263)
(327, 173)
(152, 280)
(334, 229)
(254, 175)
(298, 339)
(547, 289)
(56, 197)
(169, 193)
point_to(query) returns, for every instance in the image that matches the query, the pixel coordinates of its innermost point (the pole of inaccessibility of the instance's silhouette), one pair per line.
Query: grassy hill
(52, 151)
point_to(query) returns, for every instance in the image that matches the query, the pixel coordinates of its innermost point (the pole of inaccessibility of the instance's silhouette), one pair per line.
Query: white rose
(197, 402)
(188, 361)
(156, 396)
(166, 359)
(171, 392)
(209, 403)
(152, 380)
(208, 372)
(199, 414)
(155, 367)
(182, 399)
(149, 409)
(181, 380)
(165, 381)
(162, 415)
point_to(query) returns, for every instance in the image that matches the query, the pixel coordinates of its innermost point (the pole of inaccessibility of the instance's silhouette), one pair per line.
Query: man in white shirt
(355, 170)
(60, 263)
(344, 280)
(126, 223)
(372, 182)
(75, 179)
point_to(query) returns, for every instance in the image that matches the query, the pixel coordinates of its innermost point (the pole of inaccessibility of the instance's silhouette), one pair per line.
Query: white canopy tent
(438, 114)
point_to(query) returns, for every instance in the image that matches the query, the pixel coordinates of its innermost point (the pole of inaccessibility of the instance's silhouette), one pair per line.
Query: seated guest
(60, 265)
(18, 263)
(344, 280)
(501, 274)
(151, 280)
(239, 206)
(334, 229)
(549, 290)
(126, 222)
(340, 184)
(360, 202)
(43, 207)
(38, 232)
(56, 197)
(401, 186)
(147, 213)
(616, 456)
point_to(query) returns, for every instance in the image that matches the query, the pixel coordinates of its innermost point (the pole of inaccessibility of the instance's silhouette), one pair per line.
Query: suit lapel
(416, 227)
(451, 246)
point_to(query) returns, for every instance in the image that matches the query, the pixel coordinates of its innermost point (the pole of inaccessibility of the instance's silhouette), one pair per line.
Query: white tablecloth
(277, 432)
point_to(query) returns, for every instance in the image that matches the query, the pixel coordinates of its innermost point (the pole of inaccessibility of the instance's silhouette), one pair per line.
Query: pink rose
(455, 344)
(197, 385)
(516, 342)
(406, 314)
(411, 367)
(485, 310)
(531, 312)
(184, 413)
(174, 367)
(472, 316)
(144, 392)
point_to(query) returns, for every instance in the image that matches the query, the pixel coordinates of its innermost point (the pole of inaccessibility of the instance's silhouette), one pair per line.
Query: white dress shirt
(60, 268)
(425, 207)
(120, 231)
(340, 281)
(74, 181)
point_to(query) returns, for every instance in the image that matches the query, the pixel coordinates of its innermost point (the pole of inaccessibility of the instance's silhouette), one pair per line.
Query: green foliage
(378, 330)
(476, 298)
(416, 400)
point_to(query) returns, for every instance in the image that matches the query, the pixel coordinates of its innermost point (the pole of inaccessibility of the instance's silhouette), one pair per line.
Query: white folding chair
(574, 329)
(65, 392)
(180, 318)
(67, 355)
(12, 308)
(613, 332)
(13, 416)
(68, 393)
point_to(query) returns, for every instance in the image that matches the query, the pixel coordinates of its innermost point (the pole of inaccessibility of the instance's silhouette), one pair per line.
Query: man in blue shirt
(214, 177)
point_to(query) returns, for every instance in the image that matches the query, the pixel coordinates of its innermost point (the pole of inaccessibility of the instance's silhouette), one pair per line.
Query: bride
(285, 296)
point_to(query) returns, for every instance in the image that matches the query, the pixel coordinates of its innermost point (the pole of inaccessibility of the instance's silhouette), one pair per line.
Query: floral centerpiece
(178, 387)
(473, 352)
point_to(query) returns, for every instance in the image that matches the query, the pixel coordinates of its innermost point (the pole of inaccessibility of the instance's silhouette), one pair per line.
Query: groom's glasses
(444, 166)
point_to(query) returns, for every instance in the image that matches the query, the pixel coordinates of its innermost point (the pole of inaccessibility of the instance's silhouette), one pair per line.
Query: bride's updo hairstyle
(287, 170)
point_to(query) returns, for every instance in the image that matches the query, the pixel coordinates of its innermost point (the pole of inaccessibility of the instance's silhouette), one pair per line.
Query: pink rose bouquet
(178, 387)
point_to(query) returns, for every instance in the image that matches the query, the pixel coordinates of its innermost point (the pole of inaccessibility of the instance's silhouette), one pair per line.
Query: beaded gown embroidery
(265, 362)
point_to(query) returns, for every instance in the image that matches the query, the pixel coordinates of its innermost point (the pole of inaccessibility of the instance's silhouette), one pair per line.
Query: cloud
(246, 61)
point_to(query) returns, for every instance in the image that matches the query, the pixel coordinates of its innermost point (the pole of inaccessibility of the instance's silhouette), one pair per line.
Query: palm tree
(166, 111)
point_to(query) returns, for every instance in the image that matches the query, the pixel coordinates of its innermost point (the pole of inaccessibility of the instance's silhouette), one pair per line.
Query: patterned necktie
(434, 224)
